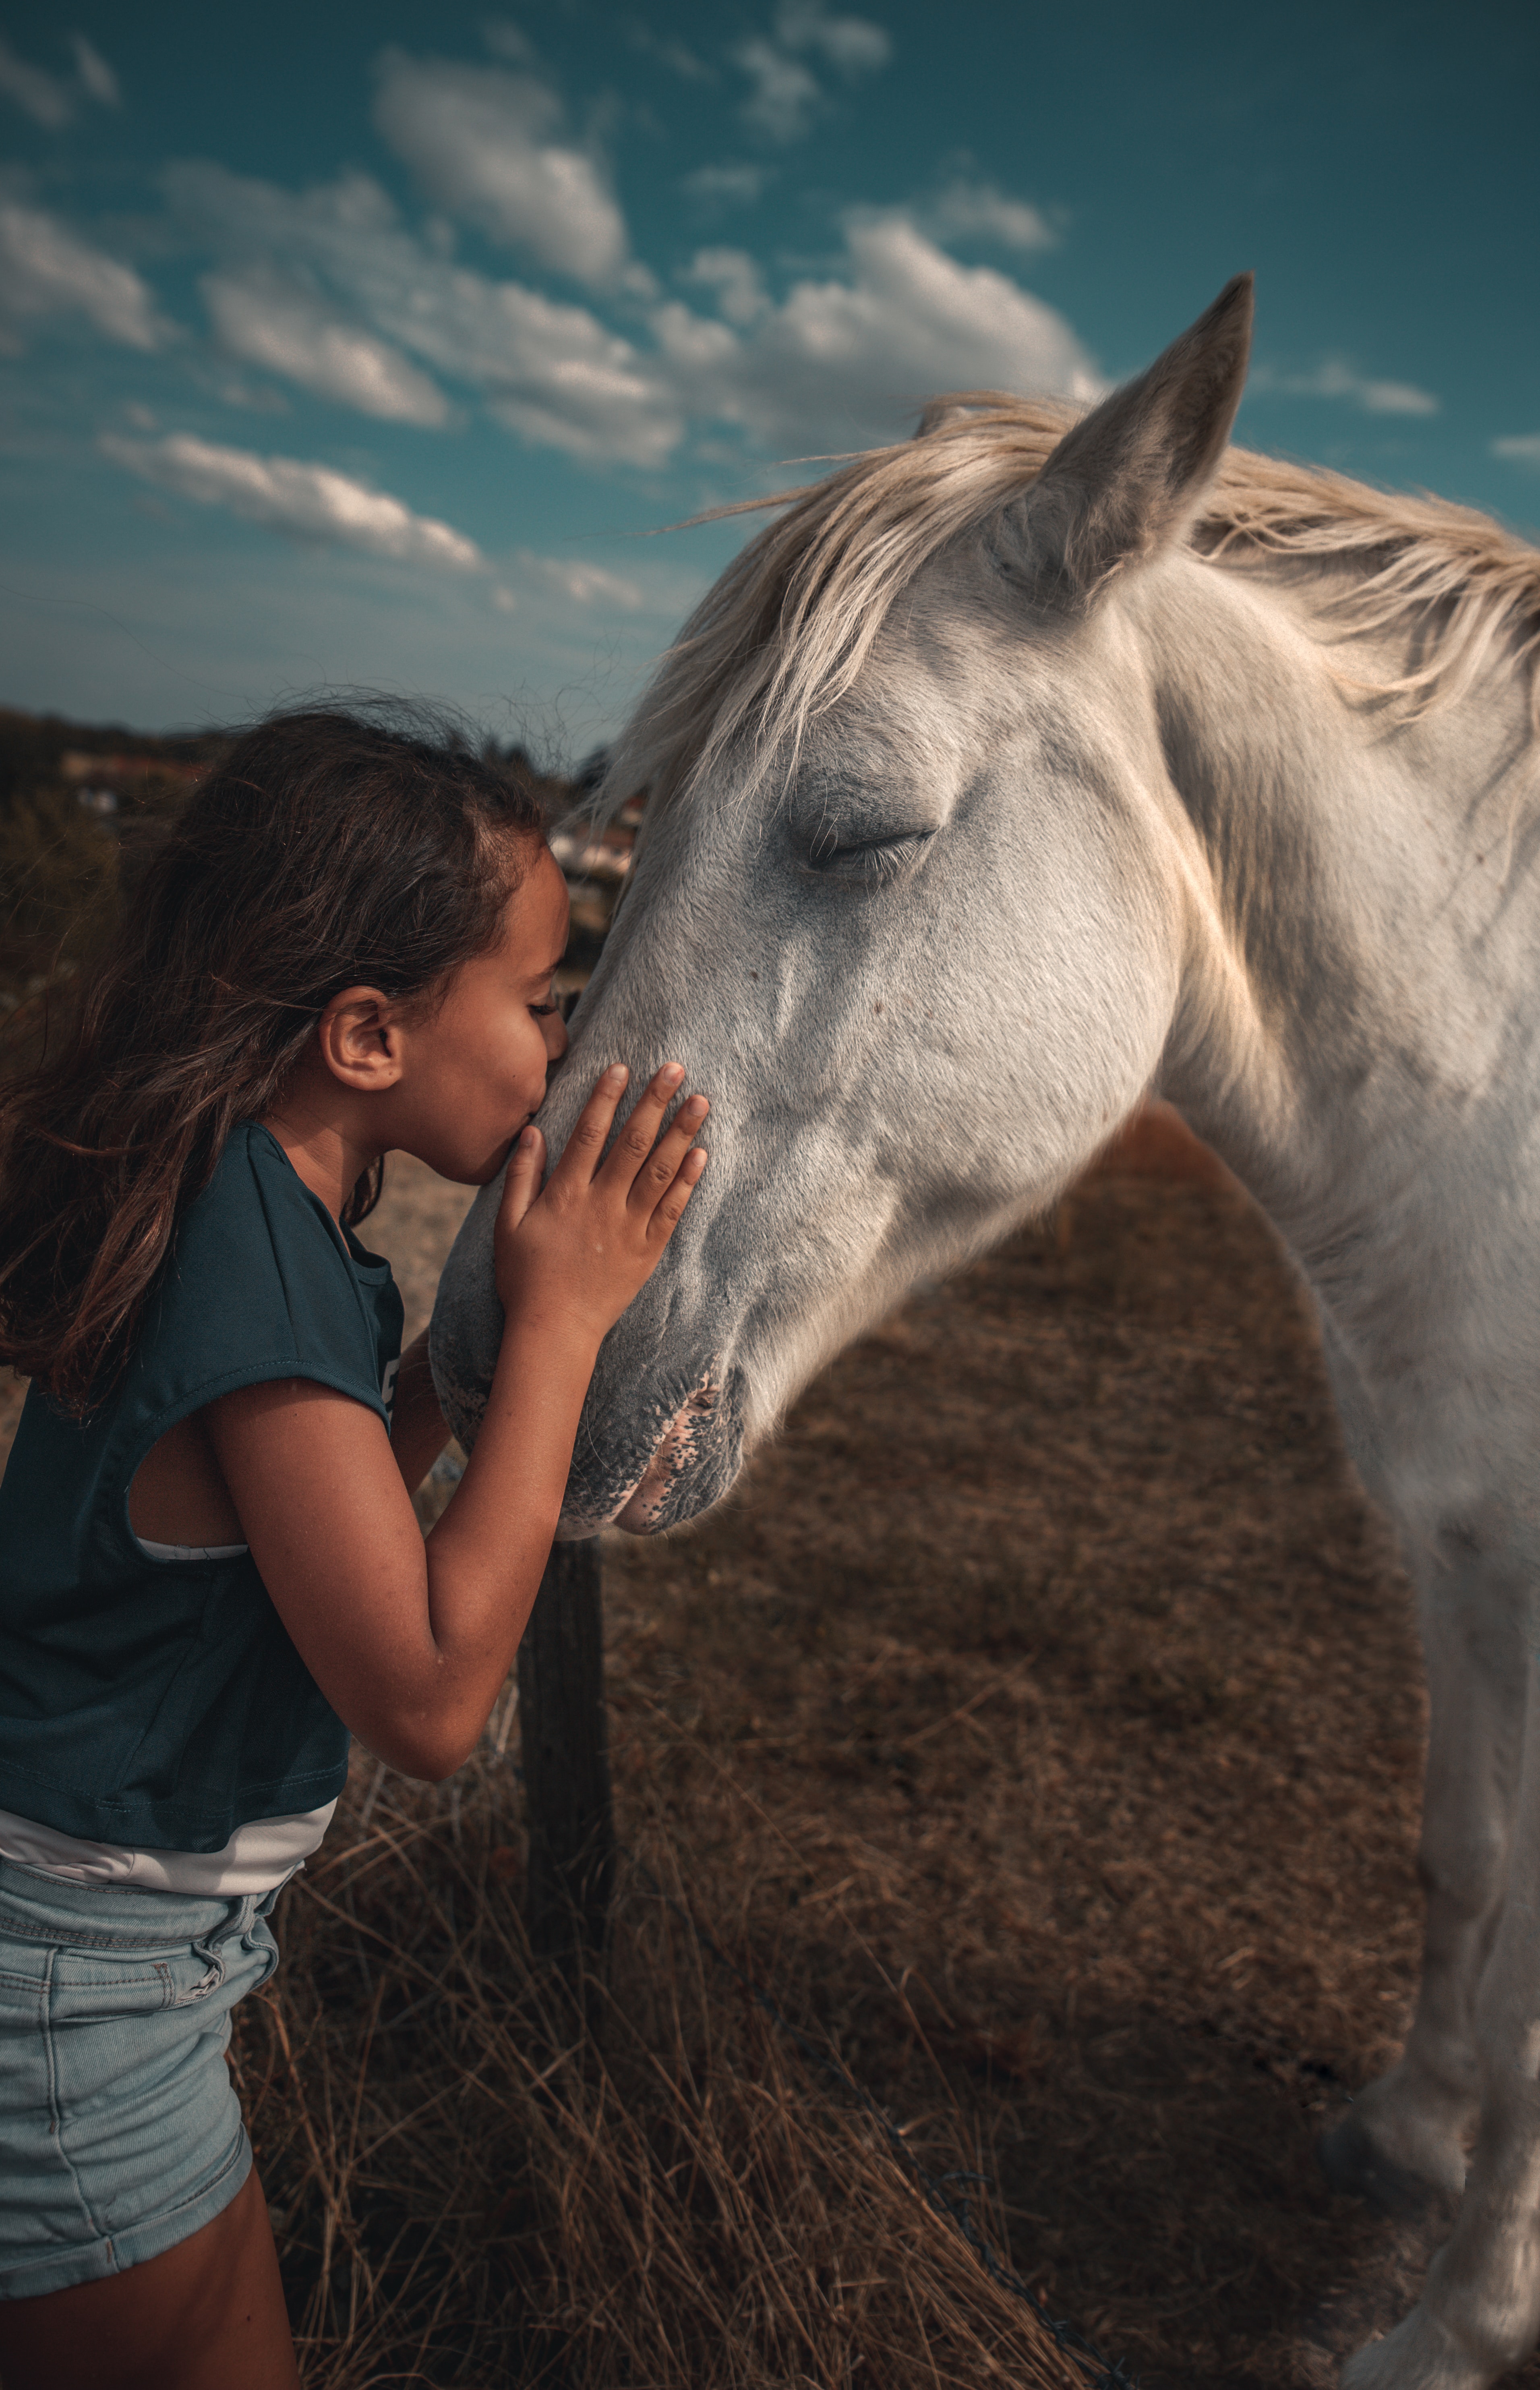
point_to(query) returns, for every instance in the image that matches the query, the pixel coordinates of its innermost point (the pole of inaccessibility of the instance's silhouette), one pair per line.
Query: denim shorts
(120, 2129)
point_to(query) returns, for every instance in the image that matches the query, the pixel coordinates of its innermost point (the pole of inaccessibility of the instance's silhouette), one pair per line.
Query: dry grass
(477, 2178)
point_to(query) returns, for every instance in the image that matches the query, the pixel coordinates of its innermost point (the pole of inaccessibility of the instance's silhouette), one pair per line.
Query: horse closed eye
(868, 861)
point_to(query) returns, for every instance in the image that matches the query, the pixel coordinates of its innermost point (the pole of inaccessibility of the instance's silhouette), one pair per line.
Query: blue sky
(346, 345)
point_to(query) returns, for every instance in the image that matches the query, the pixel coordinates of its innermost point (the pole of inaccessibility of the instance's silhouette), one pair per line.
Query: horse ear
(1131, 475)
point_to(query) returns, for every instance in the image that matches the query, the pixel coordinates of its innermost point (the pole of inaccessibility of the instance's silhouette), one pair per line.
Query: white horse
(1011, 774)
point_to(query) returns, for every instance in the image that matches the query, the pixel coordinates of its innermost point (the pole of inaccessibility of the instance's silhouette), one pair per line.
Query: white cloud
(45, 270)
(786, 95)
(47, 100)
(505, 41)
(675, 55)
(852, 44)
(841, 361)
(1337, 380)
(984, 211)
(733, 275)
(308, 501)
(1522, 450)
(724, 185)
(568, 382)
(838, 361)
(552, 372)
(97, 76)
(251, 397)
(1396, 398)
(582, 584)
(270, 322)
(479, 141)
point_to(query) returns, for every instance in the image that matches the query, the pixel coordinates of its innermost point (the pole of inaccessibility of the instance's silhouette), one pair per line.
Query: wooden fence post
(566, 1756)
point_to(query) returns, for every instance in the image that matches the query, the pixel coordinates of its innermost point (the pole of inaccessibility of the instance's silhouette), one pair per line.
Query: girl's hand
(580, 1250)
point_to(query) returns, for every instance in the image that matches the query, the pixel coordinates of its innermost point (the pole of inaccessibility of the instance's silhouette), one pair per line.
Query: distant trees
(77, 801)
(62, 847)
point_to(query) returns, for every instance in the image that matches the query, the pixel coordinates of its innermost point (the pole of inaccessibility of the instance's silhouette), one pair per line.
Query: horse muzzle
(645, 1483)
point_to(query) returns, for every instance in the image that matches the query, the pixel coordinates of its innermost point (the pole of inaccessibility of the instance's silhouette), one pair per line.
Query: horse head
(896, 905)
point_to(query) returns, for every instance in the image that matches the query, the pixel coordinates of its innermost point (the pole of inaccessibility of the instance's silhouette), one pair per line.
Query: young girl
(210, 1568)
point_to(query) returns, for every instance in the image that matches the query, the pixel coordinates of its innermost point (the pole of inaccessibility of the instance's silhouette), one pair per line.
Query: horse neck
(1360, 894)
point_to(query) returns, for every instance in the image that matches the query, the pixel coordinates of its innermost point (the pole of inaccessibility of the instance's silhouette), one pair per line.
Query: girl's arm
(410, 1641)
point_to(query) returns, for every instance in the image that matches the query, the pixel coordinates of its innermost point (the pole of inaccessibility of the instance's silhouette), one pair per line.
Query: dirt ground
(1042, 1721)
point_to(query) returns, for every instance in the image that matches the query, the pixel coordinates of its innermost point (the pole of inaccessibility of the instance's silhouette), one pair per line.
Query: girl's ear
(361, 1040)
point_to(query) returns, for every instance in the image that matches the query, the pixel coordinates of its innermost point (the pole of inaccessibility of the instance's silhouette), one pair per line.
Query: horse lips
(690, 1441)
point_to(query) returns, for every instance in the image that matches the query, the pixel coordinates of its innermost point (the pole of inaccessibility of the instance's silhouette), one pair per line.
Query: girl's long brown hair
(329, 850)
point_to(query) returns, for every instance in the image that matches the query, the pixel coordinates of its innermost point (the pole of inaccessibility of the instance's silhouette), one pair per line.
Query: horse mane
(785, 630)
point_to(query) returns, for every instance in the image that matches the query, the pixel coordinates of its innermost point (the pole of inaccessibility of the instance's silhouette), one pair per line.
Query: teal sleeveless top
(160, 1704)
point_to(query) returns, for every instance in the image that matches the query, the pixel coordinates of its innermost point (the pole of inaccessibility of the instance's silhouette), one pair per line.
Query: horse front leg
(1406, 2136)
(1480, 2310)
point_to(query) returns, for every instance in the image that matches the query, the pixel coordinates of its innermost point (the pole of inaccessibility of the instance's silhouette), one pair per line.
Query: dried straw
(478, 2177)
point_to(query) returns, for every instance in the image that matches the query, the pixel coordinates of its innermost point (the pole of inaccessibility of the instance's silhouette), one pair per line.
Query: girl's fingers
(663, 1165)
(521, 1182)
(636, 1167)
(666, 1212)
(582, 1149)
(634, 1144)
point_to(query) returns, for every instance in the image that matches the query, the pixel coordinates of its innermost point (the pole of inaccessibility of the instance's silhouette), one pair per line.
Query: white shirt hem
(258, 1856)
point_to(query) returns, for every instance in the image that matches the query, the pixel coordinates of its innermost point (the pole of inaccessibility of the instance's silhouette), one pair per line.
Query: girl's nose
(555, 1036)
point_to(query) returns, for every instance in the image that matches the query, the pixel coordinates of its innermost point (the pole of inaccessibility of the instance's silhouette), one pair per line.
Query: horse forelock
(783, 633)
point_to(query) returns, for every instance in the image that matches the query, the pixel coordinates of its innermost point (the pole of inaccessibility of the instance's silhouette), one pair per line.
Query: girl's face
(474, 1071)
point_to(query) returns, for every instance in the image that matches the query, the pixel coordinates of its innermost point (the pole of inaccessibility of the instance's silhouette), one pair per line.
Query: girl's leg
(207, 2315)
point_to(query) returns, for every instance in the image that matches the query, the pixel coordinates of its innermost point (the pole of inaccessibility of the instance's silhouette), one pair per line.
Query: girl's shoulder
(263, 1283)
(260, 1284)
